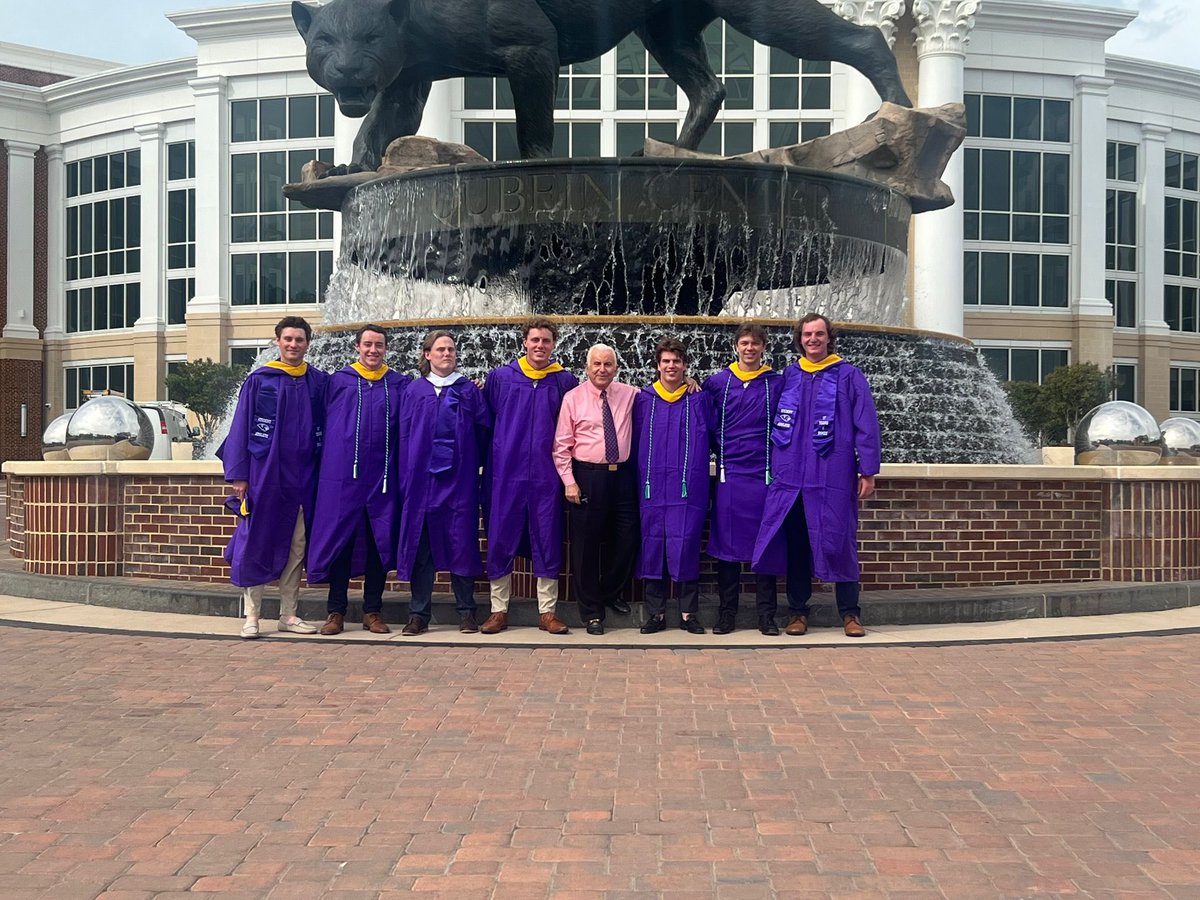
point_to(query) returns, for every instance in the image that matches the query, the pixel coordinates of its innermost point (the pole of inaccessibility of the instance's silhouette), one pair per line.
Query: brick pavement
(138, 767)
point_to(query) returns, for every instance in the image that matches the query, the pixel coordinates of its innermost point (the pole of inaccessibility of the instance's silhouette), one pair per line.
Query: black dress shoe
(620, 606)
(595, 626)
(768, 626)
(654, 625)
(692, 626)
(726, 623)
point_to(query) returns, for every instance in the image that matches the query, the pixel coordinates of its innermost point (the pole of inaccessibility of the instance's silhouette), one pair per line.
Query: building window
(731, 55)
(262, 279)
(244, 357)
(1018, 118)
(116, 377)
(1182, 170)
(798, 83)
(1123, 297)
(1183, 389)
(728, 139)
(104, 238)
(641, 82)
(1015, 279)
(1120, 254)
(1016, 195)
(1179, 308)
(181, 229)
(260, 211)
(1122, 162)
(495, 140)
(1181, 231)
(1124, 382)
(111, 172)
(579, 86)
(787, 134)
(576, 139)
(631, 136)
(181, 161)
(281, 118)
(487, 93)
(103, 307)
(179, 292)
(1023, 363)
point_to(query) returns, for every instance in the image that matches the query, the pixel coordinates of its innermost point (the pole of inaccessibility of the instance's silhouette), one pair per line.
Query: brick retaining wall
(921, 530)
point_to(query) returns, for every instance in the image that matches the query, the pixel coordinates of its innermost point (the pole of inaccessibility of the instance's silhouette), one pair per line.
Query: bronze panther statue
(379, 57)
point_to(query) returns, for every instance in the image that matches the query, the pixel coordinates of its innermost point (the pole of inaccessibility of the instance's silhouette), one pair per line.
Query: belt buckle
(612, 467)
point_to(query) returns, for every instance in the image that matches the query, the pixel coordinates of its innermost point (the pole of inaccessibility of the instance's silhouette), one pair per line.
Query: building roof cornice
(1161, 78)
(234, 21)
(1066, 20)
(119, 83)
(22, 97)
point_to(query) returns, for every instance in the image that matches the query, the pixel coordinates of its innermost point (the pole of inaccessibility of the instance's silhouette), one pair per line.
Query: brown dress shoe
(416, 625)
(334, 624)
(373, 622)
(797, 625)
(495, 623)
(553, 624)
(853, 627)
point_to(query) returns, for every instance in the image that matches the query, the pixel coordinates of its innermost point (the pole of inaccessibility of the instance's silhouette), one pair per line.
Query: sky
(136, 31)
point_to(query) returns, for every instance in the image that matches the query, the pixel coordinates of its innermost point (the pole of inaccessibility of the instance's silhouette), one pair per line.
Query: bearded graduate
(270, 459)
(827, 454)
(444, 432)
(672, 435)
(744, 397)
(354, 533)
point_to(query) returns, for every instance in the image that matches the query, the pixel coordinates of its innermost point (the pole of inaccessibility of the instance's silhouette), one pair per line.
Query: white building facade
(145, 223)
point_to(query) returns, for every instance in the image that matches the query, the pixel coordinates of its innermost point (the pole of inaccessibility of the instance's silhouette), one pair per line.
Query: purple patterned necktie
(611, 449)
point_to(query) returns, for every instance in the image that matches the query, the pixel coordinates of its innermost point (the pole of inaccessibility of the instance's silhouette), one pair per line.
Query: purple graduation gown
(671, 522)
(274, 443)
(742, 410)
(363, 419)
(522, 491)
(447, 501)
(827, 485)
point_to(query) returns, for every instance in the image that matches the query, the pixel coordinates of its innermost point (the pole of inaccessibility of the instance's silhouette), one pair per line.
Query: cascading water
(627, 251)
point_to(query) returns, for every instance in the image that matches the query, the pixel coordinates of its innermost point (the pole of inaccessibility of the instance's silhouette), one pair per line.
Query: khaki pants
(289, 581)
(547, 594)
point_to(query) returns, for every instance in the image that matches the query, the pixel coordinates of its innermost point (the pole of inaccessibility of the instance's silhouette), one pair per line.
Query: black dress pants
(800, 569)
(605, 535)
(373, 581)
(729, 587)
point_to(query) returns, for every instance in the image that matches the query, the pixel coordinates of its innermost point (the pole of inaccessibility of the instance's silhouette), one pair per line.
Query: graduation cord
(724, 403)
(357, 425)
(387, 437)
(687, 444)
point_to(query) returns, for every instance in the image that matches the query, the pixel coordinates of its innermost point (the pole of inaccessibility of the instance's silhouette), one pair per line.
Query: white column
(56, 209)
(861, 97)
(153, 314)
(436, 121)
(1151, 230)
(20, 240)
(942, 32)
(212, 202)
(1090, 145)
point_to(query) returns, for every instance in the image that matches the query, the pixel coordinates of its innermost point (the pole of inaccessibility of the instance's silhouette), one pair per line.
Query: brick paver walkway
(148, 766)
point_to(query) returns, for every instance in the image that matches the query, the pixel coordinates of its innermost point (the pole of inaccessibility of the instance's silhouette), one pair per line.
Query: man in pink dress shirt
(591, 452)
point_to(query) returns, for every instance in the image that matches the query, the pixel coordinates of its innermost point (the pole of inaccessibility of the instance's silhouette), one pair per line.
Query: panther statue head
(355, 48)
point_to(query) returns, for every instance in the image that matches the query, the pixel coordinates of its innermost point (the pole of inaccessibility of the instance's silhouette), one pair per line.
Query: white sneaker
(250, 631)
(297, 627)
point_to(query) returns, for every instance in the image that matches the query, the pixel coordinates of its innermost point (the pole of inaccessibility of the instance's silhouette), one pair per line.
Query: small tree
(1070, 392)
(1025, 398)
(205, 387)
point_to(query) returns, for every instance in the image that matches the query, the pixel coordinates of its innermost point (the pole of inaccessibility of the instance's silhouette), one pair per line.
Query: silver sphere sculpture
(1118, 433)
(54, 439)
(109, 428)
(1181, 438)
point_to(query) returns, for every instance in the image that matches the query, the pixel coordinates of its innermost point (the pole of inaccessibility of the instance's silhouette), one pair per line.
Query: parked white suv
(172, 434)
